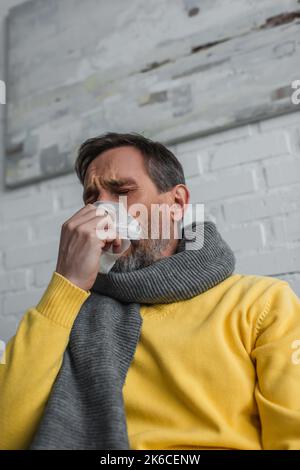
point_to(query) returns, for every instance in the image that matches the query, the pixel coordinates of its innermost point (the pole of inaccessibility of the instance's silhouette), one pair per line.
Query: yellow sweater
(220, 370)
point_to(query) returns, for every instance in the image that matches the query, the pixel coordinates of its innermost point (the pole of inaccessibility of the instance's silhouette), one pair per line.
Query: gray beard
(142, 254)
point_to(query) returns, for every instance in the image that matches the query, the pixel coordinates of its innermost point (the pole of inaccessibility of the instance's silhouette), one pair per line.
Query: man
(220, 369)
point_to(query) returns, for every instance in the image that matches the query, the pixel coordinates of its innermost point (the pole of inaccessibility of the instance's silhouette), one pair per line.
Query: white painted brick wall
(250, 184)
(248, 178)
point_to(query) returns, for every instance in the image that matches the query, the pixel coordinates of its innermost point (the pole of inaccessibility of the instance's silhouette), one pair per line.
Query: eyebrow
(91, 187)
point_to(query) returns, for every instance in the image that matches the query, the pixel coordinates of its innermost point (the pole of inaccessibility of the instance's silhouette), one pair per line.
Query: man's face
(121, 172)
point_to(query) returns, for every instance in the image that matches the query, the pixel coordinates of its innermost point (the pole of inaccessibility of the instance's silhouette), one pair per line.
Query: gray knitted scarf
(86, 409)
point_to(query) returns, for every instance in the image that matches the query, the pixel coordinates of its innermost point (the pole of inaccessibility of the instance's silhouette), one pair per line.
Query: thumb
(117, 245)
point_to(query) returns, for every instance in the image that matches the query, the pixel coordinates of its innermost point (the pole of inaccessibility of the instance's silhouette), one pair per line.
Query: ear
(180, 197)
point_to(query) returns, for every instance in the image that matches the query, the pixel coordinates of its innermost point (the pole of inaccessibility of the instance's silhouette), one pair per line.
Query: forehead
(116, 163)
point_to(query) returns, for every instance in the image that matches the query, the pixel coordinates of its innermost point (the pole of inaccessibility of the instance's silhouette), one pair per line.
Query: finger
(91, 215)
(102, 226)
(116, 243)
(81, 213)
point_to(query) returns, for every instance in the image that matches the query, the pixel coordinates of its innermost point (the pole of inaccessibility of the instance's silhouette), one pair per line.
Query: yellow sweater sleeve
(32, 359)
(277, 356)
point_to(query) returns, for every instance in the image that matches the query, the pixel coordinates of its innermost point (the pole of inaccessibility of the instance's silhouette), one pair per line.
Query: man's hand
(80, 248)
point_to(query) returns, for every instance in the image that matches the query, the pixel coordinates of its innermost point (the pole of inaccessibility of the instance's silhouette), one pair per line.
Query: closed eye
(89, 199)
